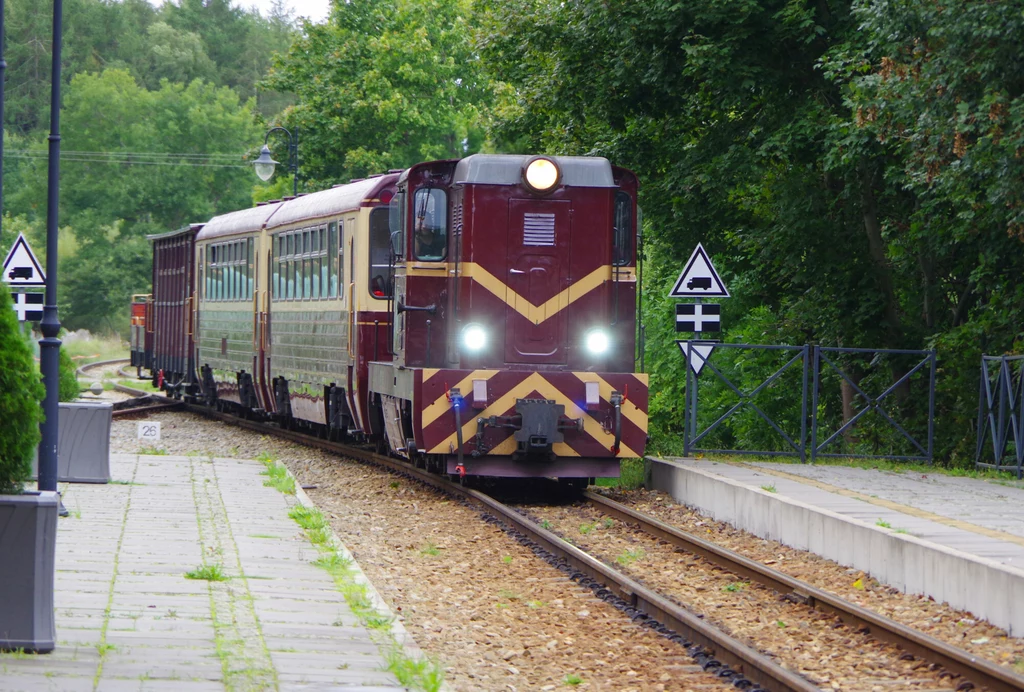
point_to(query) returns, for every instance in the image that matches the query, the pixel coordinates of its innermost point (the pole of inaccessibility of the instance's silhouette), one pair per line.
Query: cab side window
(430, 224)
(380, 254)
(622, 248)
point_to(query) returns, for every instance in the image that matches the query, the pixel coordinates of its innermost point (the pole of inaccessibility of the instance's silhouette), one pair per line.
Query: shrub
(21, 391)
(68, 389)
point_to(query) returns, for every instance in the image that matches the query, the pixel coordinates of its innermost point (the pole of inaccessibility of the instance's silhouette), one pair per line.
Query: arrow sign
(28, 306)
(699, 279)
(21, 268)
(698, 317)
(701, 352)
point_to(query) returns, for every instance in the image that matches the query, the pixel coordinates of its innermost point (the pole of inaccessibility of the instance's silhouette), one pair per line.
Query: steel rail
(746, 660)
(980, 672)
(152, 399)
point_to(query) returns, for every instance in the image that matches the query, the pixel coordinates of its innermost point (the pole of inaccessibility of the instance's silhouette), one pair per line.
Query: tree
(383, 85)
(854, 166)
(21, 392)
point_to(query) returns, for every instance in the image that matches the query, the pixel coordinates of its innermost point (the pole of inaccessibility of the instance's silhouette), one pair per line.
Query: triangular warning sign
(21, 268)
(701, 352)
(699, 279)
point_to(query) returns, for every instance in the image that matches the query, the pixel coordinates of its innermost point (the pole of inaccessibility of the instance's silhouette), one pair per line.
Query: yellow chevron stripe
(629, 409)
(540, 313)
(534, 382)
(429, 372)
(441, 404)
(534, 313)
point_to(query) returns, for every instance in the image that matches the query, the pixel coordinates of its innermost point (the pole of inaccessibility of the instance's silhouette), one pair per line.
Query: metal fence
(1001, 413)
(826, 362)
(883, 390)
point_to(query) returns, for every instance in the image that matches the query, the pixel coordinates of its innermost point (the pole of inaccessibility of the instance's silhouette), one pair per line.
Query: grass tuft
(207, 573)
(417, 673)
(278, 478)
(628, 557)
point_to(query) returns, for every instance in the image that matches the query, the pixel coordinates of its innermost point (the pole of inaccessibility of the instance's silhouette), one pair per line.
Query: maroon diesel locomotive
(477, 316)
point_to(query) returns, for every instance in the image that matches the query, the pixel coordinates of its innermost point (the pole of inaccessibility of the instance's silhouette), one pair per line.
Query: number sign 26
(149, 431)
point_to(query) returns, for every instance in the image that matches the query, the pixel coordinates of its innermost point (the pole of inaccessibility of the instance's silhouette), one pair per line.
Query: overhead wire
(133, 157)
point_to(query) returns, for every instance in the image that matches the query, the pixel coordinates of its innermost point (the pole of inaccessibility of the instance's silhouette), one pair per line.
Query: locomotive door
(538, 272)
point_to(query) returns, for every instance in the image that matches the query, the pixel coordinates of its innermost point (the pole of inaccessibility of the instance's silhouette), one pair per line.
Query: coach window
(623, 232)
(380, 254)
(430, 224)
(333, 257)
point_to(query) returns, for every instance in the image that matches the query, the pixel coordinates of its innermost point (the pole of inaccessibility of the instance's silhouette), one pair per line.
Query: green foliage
(278, 478)
(68, 389)
(384, 85)
(154, 90)
(21, 391)
(855, 169)
(207, 573)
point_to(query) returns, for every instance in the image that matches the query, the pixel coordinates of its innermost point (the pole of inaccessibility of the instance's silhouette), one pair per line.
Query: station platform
(127, 617)
(958, 540)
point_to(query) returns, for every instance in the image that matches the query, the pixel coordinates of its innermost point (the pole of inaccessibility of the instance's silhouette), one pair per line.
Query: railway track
(142, 401)
(712, 648)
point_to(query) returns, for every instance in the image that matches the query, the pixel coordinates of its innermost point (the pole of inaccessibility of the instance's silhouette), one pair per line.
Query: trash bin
(83, 442)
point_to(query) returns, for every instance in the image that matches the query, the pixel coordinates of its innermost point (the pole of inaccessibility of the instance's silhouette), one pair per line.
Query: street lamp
(265, 164)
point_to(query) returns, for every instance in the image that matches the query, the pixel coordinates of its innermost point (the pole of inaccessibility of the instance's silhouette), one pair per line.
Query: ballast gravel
(957, 627)
(807, 641)
(500, 619)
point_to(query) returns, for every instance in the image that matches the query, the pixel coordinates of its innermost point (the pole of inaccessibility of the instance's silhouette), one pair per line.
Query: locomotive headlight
(474, 338)
(597, 341)
(541, 174)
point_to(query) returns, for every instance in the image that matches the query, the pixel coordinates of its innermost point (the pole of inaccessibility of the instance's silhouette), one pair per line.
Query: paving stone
(177, 510)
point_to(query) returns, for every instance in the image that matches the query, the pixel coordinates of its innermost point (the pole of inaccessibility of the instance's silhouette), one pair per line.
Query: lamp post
(3, 78)
(264, 165)
(49, 345)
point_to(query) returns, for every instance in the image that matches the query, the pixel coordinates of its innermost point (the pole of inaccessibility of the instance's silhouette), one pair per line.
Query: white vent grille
(538, 229)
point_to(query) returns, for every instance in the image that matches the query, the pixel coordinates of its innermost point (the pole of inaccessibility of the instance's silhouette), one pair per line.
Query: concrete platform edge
(987, 589)
(397, 631)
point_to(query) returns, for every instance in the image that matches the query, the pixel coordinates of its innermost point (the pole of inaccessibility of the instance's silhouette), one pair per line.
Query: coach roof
(338, 199)
(243, 221)
(499, 169)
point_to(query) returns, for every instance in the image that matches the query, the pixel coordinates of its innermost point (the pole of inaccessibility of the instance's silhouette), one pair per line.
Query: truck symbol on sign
(699, 282)
(20, 273)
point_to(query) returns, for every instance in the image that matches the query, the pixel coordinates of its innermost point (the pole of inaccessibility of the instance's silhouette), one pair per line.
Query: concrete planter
(28, 541)
(83, 442)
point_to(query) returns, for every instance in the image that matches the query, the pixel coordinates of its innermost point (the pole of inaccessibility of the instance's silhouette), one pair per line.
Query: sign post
(698, 280)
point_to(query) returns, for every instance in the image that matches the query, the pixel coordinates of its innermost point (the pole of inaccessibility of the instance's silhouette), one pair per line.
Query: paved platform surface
(972, 515)
(128, 619)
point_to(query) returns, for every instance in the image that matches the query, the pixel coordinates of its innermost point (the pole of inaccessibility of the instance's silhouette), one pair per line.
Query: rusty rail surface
(978, 671)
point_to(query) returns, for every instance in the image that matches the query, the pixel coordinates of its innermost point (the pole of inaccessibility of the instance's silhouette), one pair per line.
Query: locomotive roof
(329, 202)
(504, 169)
(242, 221)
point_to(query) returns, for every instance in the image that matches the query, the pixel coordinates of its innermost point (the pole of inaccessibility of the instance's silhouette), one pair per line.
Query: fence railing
(1001, 413)
(692, 436)
(886, 389)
